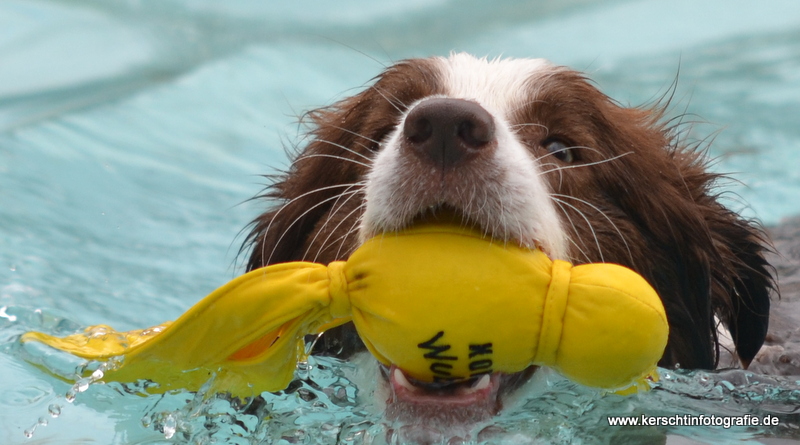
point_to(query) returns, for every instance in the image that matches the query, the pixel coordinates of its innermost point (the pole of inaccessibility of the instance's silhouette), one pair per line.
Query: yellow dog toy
(440, 302)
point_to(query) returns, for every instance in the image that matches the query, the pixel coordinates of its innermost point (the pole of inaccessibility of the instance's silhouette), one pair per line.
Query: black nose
(448, 131)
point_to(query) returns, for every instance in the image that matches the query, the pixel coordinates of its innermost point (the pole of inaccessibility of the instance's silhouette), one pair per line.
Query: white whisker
(286, 204)
(341, 158)
(393, 104)
(354, 133)
(614, 225)
(575, 230)
(567, 167)
(334, 209)
(589, 223)
(348, 149)
(344, 236)
(530, 124)
(557, 168)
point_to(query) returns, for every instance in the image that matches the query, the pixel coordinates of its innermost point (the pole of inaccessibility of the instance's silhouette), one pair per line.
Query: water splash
(54, 410)
(82, 384)
(41, 422)
(333, 401)
(319, 406)
(7, 316)
(327, 406)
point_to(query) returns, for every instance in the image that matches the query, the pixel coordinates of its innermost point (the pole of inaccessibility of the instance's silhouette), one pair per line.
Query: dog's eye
(560, 150)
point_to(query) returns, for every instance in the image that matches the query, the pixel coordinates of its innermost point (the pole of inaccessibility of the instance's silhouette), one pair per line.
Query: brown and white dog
(534, 154)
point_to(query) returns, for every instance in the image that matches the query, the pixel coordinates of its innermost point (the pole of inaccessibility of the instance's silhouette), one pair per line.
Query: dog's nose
(448, 131)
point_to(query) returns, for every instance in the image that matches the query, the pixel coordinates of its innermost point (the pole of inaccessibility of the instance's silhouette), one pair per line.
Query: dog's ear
(723, 272)
(703, 259)
(731, 252)
(743, 281)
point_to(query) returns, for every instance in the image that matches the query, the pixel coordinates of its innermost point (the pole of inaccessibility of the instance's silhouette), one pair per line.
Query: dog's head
(534, 154)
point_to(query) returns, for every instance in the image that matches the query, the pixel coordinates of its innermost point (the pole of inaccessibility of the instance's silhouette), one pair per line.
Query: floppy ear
(721, 271)
(743, 282)
(703, 259)
(727, 261)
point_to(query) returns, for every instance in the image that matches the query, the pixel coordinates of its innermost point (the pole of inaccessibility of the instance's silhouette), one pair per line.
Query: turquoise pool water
(132, 134)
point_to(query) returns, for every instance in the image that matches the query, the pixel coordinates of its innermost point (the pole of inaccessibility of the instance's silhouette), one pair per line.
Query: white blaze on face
(506, 195)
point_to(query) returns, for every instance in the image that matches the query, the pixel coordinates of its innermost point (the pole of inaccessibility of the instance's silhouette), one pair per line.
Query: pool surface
(133, 133)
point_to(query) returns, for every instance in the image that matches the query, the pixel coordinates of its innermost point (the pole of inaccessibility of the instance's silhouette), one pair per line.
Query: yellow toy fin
(246, 332)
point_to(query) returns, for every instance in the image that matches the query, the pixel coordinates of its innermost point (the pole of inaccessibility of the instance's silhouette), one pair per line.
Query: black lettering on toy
(442, 371)
(482, 365)
(480, 355)
(436, 349)
(484, 349)
(440, 368)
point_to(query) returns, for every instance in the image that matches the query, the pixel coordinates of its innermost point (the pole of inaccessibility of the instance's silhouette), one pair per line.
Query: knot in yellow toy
(340, 299)
(439, 302)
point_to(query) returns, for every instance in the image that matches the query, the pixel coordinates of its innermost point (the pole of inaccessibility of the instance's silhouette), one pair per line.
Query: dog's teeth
(480, 385)
(483, 383)
(401, 379)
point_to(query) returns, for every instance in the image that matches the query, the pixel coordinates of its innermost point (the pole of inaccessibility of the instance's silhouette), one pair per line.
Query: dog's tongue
(462, 402)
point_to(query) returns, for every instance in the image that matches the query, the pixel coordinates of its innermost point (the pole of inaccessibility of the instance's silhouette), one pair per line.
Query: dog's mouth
(449, 403)
(477, 390)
